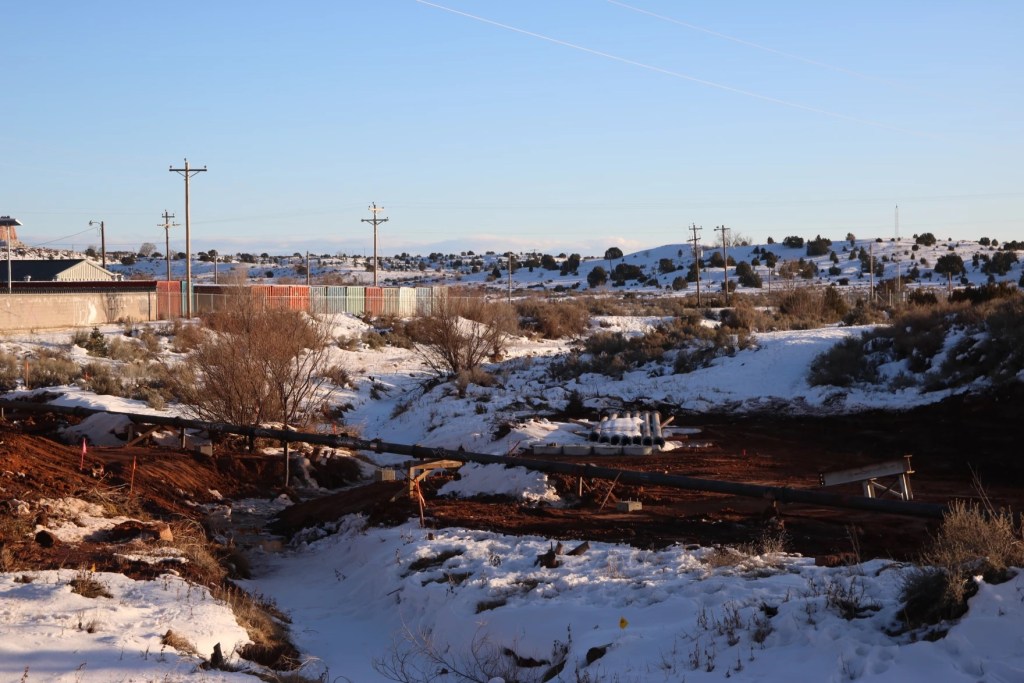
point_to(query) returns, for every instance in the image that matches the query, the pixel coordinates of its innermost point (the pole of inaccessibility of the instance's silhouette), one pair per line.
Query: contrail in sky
(680, 75)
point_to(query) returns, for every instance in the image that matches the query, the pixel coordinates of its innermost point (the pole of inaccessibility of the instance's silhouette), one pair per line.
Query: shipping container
(406, 302)
(374, 301)
(208, 298)
(298, 297)
(424, 298)
(263, 294)
(169, 300)
(280, 296)
(337, 301)
(318, 300)
(391, 301)
(356, 300)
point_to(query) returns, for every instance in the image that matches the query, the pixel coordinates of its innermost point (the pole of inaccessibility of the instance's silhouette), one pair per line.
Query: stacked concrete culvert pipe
(657, 436)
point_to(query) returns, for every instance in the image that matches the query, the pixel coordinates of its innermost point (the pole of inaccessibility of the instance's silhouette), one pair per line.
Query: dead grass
(86, 585)
(975, 539)
(266, 625)
(179, 643)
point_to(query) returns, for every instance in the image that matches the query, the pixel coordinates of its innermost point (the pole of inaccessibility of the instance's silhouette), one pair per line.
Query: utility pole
(725, 259)
(103, 241)
(696, 257)
(167, 225)
(871, 266)
(510, 278)
(374, 209)
(187, 173)
(307, 268)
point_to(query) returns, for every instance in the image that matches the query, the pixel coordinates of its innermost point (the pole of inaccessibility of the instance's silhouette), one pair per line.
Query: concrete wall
(30, 311)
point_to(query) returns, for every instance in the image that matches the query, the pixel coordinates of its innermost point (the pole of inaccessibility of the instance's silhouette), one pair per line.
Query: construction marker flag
(81, 463)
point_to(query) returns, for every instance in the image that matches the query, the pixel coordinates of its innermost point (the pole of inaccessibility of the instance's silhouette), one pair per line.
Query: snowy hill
(662, 268)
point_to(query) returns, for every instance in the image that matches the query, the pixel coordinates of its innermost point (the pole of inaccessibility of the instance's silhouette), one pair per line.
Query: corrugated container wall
(356, 298)
(280, 296)
(374, 300)
(337, 299)
(169, 302)
(424, 296)
(318, 300)
(406, 302)
(298, 297)
(391, 301)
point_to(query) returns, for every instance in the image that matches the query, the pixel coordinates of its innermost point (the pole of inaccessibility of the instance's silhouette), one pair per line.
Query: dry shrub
(10, 371)
(99, 379)
(259, 364)
(477, 376)
(338, 375)
(462, 331)
(864, 313)
(973, 540)
(842, 365)
(745, 316)
(998, 354)
(801, 308)
(150, 341)
(186, 336)
(178, 642)
(126, 350)
(266, 625)
(13, 528)
(373, 340)
(920, 334)
(553, 319)
(191, 540)
(604, 305)
(51, 368)
(88, 587)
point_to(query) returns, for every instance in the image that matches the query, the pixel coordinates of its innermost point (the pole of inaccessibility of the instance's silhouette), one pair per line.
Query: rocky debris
(46, 538)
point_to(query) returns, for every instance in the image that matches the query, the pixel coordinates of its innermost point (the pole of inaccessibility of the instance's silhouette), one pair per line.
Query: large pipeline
(780, 494)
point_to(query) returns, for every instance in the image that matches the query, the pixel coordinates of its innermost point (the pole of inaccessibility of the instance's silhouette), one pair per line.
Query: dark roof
(40, 270)
(8, 221)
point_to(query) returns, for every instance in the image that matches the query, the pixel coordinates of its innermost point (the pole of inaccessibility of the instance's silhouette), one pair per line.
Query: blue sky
(559, 126)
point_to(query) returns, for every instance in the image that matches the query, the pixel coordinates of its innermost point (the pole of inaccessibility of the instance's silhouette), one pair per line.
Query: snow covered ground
(361, 596)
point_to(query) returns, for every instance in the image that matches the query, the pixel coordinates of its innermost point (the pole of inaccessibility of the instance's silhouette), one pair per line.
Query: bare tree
(256, 364)
(462, 331)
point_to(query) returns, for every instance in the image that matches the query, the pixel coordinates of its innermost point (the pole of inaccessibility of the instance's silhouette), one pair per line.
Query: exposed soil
(951, 443)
